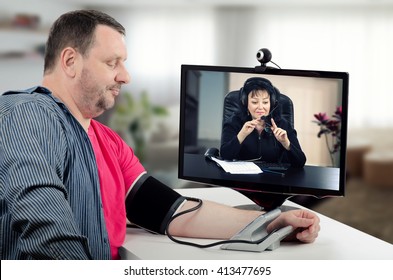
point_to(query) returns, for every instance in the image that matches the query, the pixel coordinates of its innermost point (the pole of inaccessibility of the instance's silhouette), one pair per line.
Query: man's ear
(68, 61)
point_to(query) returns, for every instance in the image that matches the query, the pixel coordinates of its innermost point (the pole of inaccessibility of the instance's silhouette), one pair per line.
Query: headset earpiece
(243, 96)
(273, 98)
(262, 83)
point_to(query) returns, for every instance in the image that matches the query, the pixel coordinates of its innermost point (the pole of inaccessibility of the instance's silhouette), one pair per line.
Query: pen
(273, 172)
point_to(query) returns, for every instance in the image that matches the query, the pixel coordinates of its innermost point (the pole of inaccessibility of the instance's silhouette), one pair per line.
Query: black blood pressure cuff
(150, 204)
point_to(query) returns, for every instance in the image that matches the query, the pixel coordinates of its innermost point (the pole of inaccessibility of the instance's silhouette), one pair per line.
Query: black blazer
(263, 147)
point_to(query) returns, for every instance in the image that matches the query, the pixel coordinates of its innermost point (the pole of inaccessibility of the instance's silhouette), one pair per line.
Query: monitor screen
(291, 123)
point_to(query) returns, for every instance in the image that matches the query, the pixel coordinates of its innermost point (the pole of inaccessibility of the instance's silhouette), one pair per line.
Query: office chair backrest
(232, 103)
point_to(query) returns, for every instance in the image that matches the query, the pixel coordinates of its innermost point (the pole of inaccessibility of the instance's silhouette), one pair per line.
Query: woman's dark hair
(255, 84)
(75, 29)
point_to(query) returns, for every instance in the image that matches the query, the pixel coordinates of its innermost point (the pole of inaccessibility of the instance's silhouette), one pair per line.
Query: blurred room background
(352, 36)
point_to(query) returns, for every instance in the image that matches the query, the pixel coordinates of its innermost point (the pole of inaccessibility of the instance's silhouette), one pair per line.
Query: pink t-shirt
(118, 168)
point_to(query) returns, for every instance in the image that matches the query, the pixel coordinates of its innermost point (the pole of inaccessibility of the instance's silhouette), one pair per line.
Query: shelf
(16, 41)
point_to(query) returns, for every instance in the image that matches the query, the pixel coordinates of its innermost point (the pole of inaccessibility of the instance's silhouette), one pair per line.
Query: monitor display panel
(315, 122)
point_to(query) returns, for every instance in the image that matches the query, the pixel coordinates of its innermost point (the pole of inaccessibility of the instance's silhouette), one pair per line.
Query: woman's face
(258, 103)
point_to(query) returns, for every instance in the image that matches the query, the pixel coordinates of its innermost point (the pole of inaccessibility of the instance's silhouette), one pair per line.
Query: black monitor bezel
(282, 190)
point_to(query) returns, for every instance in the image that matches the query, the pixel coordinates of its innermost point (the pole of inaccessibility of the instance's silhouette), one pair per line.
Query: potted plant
(330, 128)
(132, 119)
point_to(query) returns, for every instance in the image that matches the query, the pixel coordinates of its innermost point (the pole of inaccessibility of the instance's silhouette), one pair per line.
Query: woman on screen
(257, 131)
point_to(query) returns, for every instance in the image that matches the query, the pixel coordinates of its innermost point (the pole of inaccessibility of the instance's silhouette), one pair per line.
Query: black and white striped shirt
(50, 205)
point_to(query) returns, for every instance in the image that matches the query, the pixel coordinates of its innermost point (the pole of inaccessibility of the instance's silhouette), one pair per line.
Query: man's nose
(123, 76)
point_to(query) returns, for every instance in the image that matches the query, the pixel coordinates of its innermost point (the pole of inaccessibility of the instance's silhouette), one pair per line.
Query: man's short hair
(75, 29)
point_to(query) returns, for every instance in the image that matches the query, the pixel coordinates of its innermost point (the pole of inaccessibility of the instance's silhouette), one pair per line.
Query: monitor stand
(264, 201)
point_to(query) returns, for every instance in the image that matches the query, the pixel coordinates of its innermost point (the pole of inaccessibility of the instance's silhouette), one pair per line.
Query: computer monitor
(319, 101)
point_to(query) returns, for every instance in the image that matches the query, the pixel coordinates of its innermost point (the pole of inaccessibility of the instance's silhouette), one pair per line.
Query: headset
(259, 83)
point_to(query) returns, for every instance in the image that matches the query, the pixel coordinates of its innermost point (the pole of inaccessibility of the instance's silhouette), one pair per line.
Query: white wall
(349, 39)
(352, 38)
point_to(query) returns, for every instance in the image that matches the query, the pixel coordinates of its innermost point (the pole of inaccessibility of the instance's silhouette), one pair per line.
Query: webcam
(264, 56)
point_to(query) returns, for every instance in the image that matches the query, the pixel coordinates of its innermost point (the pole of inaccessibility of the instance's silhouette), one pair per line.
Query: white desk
(335, 241)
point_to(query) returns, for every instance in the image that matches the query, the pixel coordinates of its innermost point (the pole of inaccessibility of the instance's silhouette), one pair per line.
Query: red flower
(333, 125)
(321, 117)
(339, 110)
(338, 113)
(330, 126)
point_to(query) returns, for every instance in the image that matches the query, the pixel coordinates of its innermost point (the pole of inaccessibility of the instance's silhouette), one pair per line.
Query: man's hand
(305, 223)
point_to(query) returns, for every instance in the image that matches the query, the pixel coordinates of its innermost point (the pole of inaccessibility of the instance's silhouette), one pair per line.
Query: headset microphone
(266, 118)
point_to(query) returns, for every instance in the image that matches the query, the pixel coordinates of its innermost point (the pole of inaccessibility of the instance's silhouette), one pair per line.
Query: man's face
(102, 73)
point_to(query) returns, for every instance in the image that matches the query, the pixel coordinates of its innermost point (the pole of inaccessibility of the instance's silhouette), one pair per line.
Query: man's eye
(111, 64)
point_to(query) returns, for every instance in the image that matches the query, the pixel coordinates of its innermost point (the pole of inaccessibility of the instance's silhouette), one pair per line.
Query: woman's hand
(305, 223)
(247, 128)
(280, 134)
